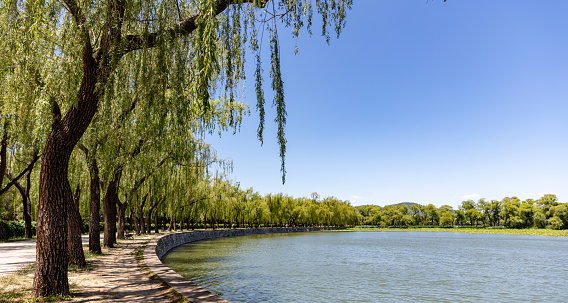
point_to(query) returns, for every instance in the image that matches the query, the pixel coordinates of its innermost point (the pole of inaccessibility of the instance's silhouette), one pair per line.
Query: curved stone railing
(158, 247)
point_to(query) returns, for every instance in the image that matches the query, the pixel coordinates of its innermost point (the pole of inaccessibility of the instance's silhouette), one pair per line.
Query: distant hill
(408, 204)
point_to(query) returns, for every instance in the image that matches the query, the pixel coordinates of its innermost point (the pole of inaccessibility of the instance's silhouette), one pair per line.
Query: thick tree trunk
(54, 190)
(94, 208)
(74, 243)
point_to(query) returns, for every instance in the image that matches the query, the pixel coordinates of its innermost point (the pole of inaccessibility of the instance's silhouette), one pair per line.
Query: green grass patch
(16, 239)
(473, 230)
(51, 298)
(91, 255)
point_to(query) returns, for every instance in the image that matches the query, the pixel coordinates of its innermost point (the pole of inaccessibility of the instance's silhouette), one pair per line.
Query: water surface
(378, 267)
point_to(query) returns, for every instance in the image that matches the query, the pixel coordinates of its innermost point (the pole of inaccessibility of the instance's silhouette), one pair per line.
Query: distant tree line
(510, 212)
(190, 201)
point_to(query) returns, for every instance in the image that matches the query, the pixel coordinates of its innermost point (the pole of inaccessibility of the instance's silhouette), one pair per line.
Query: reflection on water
(378, 267)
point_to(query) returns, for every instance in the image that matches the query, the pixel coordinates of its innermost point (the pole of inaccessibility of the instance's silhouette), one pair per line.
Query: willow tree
(88, 41)
(22, 124)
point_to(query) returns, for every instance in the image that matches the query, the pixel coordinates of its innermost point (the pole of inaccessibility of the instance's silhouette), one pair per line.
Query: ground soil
(120, 276)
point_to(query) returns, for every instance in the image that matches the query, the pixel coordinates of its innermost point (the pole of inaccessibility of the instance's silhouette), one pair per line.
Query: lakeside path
(116, 276)
(15, 255)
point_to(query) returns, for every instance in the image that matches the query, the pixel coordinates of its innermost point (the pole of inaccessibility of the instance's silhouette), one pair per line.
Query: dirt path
(117, 277)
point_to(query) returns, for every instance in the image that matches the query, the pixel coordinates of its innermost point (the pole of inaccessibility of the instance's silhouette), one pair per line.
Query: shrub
(85, 227)
(14, 229)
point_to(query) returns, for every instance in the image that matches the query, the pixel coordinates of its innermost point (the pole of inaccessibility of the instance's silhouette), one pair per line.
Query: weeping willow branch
(135, 42)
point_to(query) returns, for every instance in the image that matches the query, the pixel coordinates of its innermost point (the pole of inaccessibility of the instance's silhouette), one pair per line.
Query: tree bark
(156, 229)
(149, 219)
(94, 209)
(109, 209)
(74, 244)
(3, 150)
(121, 218)
(140, 215)
(151, 209)
(54, 190)
(25, 193)
(28, 208)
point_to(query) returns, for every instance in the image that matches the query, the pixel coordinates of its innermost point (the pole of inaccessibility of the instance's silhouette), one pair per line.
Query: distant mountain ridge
(408, 204)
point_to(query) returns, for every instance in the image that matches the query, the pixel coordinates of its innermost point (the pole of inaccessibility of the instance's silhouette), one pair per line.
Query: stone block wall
(170, 241)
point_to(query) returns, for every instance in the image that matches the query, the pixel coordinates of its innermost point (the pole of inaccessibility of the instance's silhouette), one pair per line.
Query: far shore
(470, 230)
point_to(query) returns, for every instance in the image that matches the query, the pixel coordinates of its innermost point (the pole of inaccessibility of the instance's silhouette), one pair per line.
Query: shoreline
(468, 230)
(159, 246)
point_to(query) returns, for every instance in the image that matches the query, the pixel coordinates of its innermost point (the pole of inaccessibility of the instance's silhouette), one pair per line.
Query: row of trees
(545, 212)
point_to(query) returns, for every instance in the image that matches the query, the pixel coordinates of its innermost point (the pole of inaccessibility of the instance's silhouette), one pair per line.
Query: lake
(404, 266)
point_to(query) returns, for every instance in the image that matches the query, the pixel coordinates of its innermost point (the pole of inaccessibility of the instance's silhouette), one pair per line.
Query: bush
(14, 229)
(85, 227)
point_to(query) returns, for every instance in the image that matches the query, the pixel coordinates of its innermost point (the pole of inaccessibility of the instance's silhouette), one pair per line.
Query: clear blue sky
(419, 101)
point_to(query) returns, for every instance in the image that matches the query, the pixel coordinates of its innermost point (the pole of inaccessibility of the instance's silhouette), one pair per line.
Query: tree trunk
(149, 220)
(94, 204)
(54, 190)
(109, 209)
(136, 224)
(25, 193)
(121, 218)
(142, 223)
(140, 216)
(156, 230)
(3, 150)
(153, 209)
(74, 243)
(28, 208)
(95, 208)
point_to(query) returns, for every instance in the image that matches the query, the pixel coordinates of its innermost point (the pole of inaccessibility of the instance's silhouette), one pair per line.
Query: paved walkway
(15, 255)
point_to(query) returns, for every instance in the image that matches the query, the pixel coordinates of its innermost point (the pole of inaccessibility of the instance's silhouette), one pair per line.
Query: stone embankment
(158, 247)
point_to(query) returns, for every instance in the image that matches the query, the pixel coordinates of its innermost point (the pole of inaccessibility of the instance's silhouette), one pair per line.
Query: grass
(17, 287)
(17, 239)
(474, 230)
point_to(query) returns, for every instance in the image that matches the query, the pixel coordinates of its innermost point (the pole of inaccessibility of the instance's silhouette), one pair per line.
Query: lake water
(378, 267)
